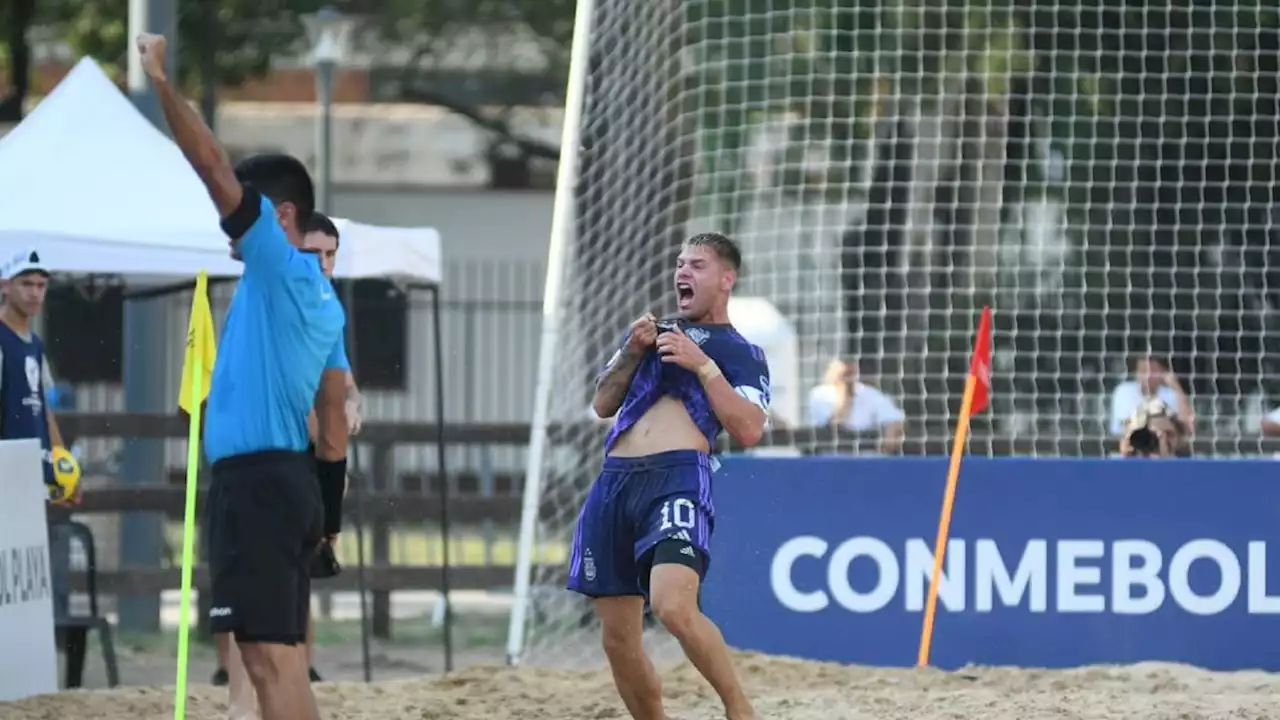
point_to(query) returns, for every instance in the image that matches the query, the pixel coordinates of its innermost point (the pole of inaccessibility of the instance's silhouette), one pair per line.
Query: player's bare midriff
(665, 426)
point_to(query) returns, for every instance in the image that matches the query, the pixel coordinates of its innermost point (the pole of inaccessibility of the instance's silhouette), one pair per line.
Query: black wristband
(333, 484)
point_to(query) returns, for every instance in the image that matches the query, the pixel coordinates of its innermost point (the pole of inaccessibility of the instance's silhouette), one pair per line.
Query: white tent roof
(95, 188)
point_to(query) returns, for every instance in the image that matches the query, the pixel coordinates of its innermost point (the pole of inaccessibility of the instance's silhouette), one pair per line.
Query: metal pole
(145, 352)
(444, 479)
(324, 202)
(361, 582)
(209, 65)
(324, 134)
(360, 485)
(323, 88)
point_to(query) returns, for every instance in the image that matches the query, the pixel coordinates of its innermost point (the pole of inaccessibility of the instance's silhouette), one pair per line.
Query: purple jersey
(742, 364)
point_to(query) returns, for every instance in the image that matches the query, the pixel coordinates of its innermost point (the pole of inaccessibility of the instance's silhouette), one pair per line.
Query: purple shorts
(633, 505)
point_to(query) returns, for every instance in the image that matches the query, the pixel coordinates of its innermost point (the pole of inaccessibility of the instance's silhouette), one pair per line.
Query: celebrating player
(270, 504)
(645, 527)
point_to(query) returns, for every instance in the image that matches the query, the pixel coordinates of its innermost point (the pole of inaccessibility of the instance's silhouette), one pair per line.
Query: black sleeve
(332, 476)
(244, 216)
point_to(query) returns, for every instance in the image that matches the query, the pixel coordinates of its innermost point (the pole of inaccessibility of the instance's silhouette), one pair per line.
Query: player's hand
(151, 49)
(355, 414)
(71, 500)
(676, 347)
(1170, 381)
(644, 332)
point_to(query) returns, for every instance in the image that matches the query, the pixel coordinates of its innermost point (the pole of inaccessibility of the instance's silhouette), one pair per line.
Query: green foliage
(241, 36)
(435, 27)
(825, 64)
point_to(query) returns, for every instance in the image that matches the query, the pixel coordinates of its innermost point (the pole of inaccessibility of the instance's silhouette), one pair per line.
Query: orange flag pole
(977, 396)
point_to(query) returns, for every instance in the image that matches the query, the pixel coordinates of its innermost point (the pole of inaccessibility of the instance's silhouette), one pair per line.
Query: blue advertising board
(1051, 563)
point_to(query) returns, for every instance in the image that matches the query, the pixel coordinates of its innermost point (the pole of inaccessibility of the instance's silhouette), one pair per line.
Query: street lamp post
(330, 33)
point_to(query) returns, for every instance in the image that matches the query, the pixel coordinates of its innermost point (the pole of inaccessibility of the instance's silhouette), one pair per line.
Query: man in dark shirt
(25, 379)
(322, 240)
(25, 383)
(645, 528)
(270, 504)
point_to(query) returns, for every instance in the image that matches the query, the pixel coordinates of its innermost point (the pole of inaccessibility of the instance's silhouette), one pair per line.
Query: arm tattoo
(613, 383)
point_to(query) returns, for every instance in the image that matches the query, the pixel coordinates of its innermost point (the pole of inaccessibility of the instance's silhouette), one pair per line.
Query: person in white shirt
(1151, 379)
(843, 400)
(1271, 424)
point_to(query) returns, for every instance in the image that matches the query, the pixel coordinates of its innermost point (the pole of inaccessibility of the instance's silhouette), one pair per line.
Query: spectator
(1151, 380)
(842, 400)
(1154, 431)
(26, 378)
(1271, 424)
(25, 410)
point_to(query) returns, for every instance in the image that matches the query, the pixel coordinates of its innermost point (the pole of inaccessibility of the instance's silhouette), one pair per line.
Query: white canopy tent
(95, 188)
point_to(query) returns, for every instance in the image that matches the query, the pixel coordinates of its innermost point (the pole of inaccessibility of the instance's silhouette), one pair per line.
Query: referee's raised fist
(151, 50)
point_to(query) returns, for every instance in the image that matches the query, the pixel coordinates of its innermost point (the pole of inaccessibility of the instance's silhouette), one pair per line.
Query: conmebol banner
(1051, 563)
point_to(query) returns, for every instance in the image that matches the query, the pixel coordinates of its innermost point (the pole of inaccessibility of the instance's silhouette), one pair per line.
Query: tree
(1165, 117)
(503, 34)
(13, 42)
(249, 33)
(225, 42)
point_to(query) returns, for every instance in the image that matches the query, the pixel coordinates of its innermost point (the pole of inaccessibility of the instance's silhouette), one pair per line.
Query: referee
(270, 505)
(321, 239)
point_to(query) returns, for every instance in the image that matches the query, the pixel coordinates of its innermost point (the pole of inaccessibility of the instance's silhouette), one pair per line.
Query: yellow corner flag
(197, 362)
(197, 372)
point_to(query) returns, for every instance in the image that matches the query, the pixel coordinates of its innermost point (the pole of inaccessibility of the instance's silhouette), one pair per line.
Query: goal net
(1103, 174)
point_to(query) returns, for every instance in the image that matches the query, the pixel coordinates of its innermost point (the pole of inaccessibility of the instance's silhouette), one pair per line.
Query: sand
(785, 689)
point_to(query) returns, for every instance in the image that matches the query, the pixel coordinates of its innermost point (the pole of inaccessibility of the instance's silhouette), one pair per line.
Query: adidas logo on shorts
(682, 535)
(688, 550)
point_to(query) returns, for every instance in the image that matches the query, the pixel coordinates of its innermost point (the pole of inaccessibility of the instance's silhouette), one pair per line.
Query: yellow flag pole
(194, 370)
(944, 521)
(188, 544)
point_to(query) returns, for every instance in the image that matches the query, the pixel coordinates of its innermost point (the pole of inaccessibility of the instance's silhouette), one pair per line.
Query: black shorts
(265, 517)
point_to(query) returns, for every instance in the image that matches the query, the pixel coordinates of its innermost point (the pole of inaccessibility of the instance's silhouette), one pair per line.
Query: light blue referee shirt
(283, 329)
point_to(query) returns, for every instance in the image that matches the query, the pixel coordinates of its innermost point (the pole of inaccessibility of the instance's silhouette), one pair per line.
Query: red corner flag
(980, 367)
(977, 397)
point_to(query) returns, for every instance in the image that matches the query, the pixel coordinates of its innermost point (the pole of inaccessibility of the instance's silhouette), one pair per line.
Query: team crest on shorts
(589, 566)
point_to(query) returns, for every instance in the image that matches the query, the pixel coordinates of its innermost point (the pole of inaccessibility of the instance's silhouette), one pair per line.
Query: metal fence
(491, 317)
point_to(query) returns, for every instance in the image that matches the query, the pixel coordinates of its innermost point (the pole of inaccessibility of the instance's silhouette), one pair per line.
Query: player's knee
(673, 585)
(267, 663)
(621, 640)
(677, 611)
(621, 624)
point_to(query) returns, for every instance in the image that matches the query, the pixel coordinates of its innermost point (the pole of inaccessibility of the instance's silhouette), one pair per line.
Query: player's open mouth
(684, 294)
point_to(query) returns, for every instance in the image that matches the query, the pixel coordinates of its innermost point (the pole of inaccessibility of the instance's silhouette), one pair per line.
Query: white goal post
(1103, 174)
(557, 262)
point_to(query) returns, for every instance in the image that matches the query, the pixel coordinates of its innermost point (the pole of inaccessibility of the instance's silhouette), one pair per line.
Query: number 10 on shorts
(678, 513)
